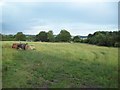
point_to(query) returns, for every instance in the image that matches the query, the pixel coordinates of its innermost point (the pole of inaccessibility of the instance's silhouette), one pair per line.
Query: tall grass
(60, 65)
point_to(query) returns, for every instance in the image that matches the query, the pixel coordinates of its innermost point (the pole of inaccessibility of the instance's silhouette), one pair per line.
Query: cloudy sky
(79, 18)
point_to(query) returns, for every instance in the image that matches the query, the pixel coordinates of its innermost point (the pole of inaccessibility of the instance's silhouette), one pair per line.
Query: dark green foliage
(50, 36)
(0, 37)
(63, 36)
(84, 41)
(57, 38)
(30, 37)
(7, 37)
(20, 37)
(76, 39)
(37, 37)
(101, 38)
(42, 36)
(104, 38)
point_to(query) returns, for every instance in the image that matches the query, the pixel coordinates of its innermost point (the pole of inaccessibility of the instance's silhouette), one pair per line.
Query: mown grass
(57, 65)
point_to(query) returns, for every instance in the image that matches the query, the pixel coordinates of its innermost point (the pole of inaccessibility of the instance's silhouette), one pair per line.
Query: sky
(79, 18)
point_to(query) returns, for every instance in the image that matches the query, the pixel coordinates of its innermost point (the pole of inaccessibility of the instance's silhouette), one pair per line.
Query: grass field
(57, 65)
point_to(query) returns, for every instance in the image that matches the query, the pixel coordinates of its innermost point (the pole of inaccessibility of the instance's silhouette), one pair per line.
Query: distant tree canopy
(50, 36)
(20, 36)
(104, 38)
(76, 39)
(63, 36)
(42, 36)
(7, 37)
(0, 37)
(30, 37)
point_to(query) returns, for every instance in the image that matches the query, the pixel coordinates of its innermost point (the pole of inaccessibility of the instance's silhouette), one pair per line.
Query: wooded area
(102, 38)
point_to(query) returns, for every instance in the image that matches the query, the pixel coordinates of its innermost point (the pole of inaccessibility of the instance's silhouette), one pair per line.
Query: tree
(37, 37)
(20, 36)
(76, 39)
(30, 37)
(64, 36)
(8, 38)
(42, 36)
(104, 38)
(90, 35)
(0, 37)
(57, 38)
(50, 36)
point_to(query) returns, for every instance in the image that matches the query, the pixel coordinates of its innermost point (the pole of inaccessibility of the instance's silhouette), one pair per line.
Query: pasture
(58, 65)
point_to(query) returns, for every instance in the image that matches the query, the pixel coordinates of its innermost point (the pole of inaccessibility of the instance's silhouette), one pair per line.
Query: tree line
(101, 38)
(104, 38)
(63, 36)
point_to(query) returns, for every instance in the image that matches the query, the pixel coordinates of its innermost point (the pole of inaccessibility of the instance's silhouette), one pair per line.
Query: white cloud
(2, 3)
(94, 10)
(73, 28)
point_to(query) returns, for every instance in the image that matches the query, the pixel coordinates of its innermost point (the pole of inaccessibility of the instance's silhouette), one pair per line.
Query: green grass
(57, 65)
(0, 65)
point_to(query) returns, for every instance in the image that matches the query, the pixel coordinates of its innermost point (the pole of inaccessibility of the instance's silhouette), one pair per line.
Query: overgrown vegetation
(60, 65)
